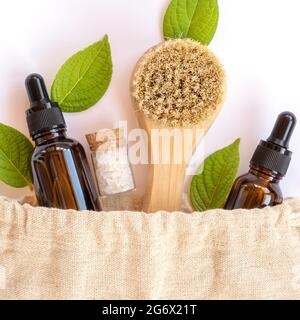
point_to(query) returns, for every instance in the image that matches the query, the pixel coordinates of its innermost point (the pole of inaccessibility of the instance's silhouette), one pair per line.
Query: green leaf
(210, 188)
(15, 157)
(195, 19)
(84, 78)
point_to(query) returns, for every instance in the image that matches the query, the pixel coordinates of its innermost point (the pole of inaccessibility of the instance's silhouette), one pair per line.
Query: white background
(257, 42)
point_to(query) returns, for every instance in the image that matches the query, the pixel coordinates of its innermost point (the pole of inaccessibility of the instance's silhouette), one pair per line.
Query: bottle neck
(49, 136)
(265, 174)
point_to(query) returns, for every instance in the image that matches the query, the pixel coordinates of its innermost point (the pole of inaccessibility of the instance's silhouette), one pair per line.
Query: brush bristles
(178, 83)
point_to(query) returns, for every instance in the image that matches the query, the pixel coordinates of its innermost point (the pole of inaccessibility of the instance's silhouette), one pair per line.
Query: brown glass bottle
(260, 186)
(256, 189)
(61, 174)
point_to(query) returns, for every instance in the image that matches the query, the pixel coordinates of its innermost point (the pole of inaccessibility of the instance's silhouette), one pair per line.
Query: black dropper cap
(43, 114)
(273, 154)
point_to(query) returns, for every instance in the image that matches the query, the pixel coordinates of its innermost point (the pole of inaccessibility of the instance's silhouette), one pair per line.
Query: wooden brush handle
(165, 181)
(164, 188)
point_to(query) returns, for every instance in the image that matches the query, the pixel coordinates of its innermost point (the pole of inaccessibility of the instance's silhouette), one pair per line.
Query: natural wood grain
(165, 181)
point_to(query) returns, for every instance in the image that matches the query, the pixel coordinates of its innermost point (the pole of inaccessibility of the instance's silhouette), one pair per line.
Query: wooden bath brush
(178, 88)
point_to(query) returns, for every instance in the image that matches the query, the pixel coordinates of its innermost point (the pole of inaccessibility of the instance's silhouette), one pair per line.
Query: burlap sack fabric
(55, 254)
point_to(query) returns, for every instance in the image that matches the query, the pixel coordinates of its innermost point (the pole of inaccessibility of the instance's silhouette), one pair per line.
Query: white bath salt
(110, 159)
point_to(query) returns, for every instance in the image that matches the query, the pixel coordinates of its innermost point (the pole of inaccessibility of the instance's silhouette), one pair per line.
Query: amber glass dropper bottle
(260, 186)
(61, 174)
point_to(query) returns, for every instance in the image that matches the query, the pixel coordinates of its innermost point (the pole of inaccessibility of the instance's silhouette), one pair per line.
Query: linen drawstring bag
(218, 254)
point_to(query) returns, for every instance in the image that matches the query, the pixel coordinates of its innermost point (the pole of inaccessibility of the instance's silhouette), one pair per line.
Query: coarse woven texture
(178, 83)
(242, 254)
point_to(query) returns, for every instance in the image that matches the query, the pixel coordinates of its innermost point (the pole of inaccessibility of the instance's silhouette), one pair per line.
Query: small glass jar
(112, 168)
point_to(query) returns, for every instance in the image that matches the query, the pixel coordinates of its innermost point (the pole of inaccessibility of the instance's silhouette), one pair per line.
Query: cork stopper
(102, 136)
